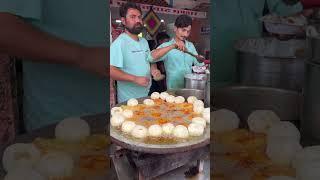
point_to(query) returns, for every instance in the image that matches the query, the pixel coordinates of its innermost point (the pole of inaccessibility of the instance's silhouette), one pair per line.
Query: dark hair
(161, 36)
(183, 21)
(124, 8)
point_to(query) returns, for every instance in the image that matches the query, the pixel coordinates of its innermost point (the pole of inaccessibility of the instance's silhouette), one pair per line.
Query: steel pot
(207, 91)
(310, 120)
(195, 81)
(271, 71)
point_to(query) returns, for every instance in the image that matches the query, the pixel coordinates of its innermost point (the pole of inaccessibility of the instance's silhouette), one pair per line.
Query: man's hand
(142, 81)
(155, 72)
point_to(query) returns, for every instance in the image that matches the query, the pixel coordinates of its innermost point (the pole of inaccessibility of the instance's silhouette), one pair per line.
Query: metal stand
(129, 164)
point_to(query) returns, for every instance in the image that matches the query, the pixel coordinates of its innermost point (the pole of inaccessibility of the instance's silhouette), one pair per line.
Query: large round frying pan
(131, 144)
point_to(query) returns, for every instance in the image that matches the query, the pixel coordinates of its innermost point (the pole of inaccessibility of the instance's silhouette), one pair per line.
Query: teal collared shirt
(132, 57)
(53, 92)
(178, 64)
(232, 20)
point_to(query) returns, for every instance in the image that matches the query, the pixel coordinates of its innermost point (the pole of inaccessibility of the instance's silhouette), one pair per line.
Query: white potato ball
(155, 130)
(132, 102)
(282, 151)
(198, 103)
(56, 165)
(306, 155)
(206, 110)
(23, 173)
(191, 99)
(206, 114)
(116, 110)
(195, 129)
(224, 120)
(72, 130)
(181, 131)
(170, 99)
(128, 126)
(283, 129)
(281, 178)
(198, 109)
(20, 155)
(179, 99)
(167, 128)
(155, 95)
(139, 132)
(164, 95)
(199, 120)
(127, 113)
(148, 102)
(260, 121)
(117, 120)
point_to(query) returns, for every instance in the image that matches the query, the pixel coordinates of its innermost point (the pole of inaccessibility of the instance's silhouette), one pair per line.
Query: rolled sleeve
(149, 57)
(30, 9)
(282, 9)
(116, 57)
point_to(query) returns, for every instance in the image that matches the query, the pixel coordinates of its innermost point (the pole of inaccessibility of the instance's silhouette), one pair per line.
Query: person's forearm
(118, 75)
(158, 53)
(20, 39)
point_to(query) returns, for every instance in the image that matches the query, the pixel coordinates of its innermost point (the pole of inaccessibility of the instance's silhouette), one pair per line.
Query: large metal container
(275, 71)
(195, 81)
(245, 99)
(207, 92)
(310, 120)
(314, 48)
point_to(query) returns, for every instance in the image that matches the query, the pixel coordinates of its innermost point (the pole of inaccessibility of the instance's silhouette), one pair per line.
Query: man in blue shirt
(177, 63)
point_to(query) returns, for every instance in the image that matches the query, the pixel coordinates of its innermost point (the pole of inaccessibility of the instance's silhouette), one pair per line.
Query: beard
(136, 29)
(182, 38)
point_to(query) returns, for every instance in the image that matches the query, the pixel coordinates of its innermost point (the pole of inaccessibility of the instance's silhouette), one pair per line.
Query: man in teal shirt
(63, 45)
(176, 62)
(238, 19)
(130, 56)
